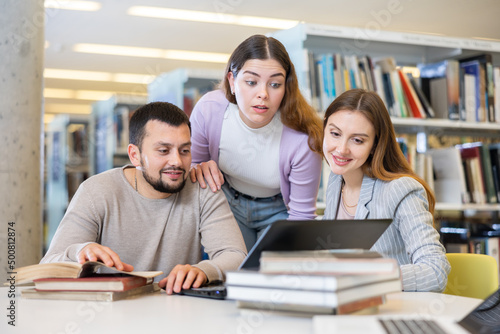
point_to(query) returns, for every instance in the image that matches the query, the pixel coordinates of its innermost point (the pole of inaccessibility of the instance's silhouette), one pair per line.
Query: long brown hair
(387, 162)
(296, 113)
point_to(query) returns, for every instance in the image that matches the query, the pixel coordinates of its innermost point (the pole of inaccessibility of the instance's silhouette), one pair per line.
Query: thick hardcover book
(105, 296)
(28, 274)
(100, 283)
(304, 282)
(330, 299)
(363, 306)
(325, 261)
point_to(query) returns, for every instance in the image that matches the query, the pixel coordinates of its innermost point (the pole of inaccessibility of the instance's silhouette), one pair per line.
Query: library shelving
(184, 86)
(109, 131)
(408, 50)
(66, 166)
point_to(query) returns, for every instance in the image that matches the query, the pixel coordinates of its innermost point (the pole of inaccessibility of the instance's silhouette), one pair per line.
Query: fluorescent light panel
(67, 108)
(54, 73)
(88, 95)
(117, 50)
(88, 6)
(210, 17)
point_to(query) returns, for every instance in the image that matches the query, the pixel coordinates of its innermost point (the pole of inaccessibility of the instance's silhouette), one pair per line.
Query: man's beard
(160, 186)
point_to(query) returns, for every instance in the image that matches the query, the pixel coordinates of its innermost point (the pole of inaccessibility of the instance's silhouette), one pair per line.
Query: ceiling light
(210, 17)
(90, 6)
(88, 95)
(54, 73)
(117, 50)
(67, 108)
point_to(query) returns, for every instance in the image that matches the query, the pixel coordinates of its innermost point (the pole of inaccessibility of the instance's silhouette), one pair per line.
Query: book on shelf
(338, 74)
(110, 282)
(440, 83)
(304, 281)
(30, 273)
(326, 261)
(486, 163)
(471, 157)
(474, 90)
(393, 88)
(313, 84)
(363, 306)
(415, 106)
(449, 183)
(482, 151)
(105, 296)
(496, 93)
(488, 86)
(316, 298)
(495, 166)
(421, 96)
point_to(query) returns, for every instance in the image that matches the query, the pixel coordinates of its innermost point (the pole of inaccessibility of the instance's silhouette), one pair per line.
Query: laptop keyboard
(411, 326)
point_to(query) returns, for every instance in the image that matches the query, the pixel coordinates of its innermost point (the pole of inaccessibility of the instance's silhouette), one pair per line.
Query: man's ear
(134, 155)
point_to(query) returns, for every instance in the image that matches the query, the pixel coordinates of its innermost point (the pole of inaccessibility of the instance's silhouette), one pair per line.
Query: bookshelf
(108, 131)
(184, 86)
(408, 49)
(66, 144)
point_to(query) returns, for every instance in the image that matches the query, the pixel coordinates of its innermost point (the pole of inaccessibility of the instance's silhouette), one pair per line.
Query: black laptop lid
(485, 318)
(288, 235)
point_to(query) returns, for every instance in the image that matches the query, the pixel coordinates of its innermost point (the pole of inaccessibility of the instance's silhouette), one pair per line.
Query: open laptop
(290, 235)
(484, 319)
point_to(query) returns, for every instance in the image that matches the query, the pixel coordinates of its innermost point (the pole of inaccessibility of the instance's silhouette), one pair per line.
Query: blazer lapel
(334, 188)
(365, 196)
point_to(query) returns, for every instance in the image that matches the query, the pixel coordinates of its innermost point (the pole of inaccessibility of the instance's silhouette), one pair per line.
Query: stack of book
(317, 282)
(92, 281)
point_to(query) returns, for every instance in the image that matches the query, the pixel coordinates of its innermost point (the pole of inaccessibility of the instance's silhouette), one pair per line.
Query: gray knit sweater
(150, 234)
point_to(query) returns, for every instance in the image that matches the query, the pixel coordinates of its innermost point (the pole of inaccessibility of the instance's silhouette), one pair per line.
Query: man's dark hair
(160, 111)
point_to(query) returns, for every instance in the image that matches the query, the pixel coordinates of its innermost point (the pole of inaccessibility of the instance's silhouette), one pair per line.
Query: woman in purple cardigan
(258, 139)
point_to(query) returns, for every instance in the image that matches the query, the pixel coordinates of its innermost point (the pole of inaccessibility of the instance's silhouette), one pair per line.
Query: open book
(30, 273)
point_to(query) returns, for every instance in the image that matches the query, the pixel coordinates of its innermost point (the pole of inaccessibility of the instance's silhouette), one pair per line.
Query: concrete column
(21, 133)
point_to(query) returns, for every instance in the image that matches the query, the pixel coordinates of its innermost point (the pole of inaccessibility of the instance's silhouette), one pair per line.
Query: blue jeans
(254, 215)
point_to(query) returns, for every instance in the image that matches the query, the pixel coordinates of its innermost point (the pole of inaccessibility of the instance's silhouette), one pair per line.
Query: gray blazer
(411, 238)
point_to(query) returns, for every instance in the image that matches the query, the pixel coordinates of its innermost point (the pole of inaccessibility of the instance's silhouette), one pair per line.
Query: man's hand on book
(96, 252)
(183, 277)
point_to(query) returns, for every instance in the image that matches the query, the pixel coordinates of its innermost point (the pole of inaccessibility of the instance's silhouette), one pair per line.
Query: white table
(160, 313)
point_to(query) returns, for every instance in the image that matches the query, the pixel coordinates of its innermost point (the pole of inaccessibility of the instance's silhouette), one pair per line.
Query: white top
(249, 158)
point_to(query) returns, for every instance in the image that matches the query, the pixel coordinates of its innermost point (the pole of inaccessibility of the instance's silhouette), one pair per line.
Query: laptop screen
(288, 235)
(486, 317)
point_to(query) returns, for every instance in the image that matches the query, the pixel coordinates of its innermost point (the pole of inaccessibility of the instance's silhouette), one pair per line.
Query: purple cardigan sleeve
(206, 127)
(300, 174)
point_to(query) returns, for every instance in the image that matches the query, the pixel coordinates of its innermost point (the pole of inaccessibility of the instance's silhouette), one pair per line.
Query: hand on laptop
(183, 277)
(96, 252)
